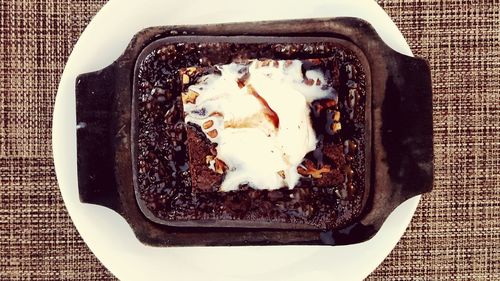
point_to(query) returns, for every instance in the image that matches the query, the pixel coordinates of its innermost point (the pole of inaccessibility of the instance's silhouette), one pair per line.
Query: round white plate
(110, 237)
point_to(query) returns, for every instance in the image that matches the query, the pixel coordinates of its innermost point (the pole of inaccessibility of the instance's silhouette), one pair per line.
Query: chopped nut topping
(336, 116)
(191, 70)
(216, 113)
(311, 170)
(213, 133)
(336, 127)
(208, 124)
(281, 173)
(220, 166)
(309, 82)
(209, 159)
(189, 97)
(185, 79)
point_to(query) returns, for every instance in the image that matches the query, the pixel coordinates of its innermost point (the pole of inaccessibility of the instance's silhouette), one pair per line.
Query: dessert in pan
(289, 132)
(251, 135)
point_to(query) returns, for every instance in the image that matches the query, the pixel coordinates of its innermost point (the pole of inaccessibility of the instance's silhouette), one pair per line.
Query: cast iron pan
(399, 149)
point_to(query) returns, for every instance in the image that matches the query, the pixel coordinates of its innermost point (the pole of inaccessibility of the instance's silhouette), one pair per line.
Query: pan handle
(403, 162)
(407, 129)
(95, 96)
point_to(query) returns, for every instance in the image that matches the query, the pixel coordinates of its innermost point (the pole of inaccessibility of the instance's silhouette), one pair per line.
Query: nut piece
(281, 173)
(336, 116)
(208, 124)
(185, 79)
(189, 97)
(191, 70)
(336, 127)
(220, 166)
(309, 82)
(216, 113)
(213, 133)
(209, 159)
(311, 170)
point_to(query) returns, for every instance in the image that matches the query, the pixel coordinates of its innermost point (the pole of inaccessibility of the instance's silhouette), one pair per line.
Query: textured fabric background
(455, 234)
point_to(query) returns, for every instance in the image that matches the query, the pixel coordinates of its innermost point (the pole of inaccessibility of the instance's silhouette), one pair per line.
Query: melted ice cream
(259, 116)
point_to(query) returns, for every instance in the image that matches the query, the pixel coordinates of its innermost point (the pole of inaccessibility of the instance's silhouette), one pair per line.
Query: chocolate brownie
(179, 174)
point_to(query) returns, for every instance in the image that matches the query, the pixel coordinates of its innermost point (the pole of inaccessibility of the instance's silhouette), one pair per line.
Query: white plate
(108, 235)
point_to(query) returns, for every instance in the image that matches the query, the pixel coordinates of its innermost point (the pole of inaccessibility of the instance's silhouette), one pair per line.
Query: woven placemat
(455, 234)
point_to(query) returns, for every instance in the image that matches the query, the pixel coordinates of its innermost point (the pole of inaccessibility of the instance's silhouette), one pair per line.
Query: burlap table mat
(455, 234)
